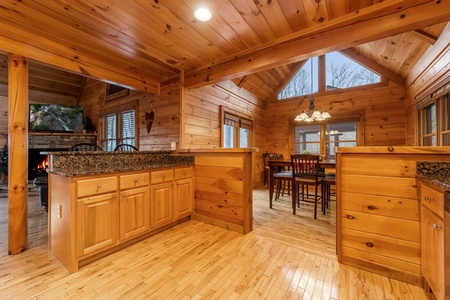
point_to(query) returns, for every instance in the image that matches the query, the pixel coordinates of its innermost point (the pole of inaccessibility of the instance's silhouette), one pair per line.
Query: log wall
(382, 107)
(166, 108)
(429, 79)
(202, 118)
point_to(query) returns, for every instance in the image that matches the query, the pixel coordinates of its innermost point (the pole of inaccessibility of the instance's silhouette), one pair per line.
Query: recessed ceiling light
(202, 14)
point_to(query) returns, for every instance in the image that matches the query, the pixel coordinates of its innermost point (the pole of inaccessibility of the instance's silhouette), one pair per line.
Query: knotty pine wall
(428, 80)
(382, 107)
(166, 107)
(202, 118)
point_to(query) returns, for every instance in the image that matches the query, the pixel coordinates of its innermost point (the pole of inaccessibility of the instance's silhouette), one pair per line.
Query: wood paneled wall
(429, 79)
(202, 118)
(166, 108)
(382, 106)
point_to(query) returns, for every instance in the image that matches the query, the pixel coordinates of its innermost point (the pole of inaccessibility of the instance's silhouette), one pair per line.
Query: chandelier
(313, 114)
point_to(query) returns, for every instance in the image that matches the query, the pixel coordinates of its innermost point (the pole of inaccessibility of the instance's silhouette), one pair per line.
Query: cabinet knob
(350, 217)
(371, 207)
(435, 226)
(99, 186)
(136, 180)
(426, 198)
(124, 195)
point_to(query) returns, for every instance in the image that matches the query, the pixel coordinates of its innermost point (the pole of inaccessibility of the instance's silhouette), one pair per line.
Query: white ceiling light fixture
(314, 114)
(203, 14)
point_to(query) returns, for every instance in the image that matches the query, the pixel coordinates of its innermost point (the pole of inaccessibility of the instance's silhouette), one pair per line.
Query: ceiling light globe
(203, 14)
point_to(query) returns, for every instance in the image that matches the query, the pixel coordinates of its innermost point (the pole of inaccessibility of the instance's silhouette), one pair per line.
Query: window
(119, 127)
(341, 72)
(323, 139)
(434, 123)
(237, 131)
(427, 117)
(444, 124)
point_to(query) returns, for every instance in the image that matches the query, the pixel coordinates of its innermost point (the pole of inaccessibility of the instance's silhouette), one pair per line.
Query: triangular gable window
(341, 73)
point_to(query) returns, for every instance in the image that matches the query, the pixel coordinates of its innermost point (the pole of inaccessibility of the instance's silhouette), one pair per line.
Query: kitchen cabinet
(183, 193)
(171, 195)
(134, 205)
(96, 212)
(92, 216)
(432, 232)
(97, 223)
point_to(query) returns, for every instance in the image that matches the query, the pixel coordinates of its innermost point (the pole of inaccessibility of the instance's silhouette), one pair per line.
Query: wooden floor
(285, 257)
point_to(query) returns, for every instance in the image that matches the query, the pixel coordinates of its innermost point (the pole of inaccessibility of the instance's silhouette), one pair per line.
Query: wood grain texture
(286, 256)
(17, 153)
(370, 234)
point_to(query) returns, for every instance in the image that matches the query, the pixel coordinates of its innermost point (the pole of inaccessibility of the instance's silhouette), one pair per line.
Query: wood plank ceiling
(149, 43)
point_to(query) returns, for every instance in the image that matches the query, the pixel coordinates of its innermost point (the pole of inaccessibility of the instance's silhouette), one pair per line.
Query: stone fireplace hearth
(41, 143)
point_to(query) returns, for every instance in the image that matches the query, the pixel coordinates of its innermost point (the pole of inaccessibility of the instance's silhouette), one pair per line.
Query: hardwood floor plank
(286, 257)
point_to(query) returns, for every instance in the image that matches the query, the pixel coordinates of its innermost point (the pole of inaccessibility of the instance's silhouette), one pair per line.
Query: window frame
(245, 122)
(118, 110)
(320, 76)
(358, 119)
(441, 110)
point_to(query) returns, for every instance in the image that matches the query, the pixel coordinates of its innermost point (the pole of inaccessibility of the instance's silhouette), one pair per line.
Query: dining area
(305, 178)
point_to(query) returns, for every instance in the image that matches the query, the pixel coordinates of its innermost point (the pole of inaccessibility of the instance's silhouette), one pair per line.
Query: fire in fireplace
(38, 162)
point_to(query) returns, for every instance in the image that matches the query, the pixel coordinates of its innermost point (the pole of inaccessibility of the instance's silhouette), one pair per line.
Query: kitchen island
(379, 208)
(101, 202)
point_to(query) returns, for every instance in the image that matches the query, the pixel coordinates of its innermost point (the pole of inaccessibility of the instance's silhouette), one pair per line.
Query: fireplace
(41, 143)
(38, 162)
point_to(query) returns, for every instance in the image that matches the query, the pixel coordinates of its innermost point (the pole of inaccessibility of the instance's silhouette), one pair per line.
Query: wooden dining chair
(86, 147)
(125, 148)
(305, 172)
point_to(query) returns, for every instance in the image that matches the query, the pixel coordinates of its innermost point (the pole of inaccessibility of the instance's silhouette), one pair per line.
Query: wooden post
(17, 154)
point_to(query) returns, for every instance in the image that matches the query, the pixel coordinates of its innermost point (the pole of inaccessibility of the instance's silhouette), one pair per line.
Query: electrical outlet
(59, 211)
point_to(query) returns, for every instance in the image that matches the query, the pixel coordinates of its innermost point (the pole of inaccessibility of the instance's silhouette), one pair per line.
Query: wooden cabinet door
(134, 211)
(183, 201)
(433, 251)
(97, 223)
(161, 204)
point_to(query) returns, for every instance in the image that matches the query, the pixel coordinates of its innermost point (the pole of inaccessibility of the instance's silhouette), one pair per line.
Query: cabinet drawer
(381, 245)
(161, 176)
(96, 186)
(183, 173)
(432, 199)
(134, 180)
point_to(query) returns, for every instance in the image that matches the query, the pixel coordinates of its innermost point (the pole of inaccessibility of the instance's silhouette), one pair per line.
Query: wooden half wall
(201, 112)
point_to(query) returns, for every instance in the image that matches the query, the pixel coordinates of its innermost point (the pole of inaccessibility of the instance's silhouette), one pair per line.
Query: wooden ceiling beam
(373, 23)
(69, 59)
(425, 36)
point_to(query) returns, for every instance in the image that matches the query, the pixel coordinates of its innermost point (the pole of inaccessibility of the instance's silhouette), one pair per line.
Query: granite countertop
(94, 163)
(437, 173)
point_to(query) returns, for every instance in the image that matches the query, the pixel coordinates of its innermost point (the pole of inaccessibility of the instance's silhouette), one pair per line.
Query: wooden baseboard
(414, 279)
(219, 223)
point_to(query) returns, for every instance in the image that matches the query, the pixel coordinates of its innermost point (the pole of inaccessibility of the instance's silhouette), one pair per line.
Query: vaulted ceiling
(145, 44)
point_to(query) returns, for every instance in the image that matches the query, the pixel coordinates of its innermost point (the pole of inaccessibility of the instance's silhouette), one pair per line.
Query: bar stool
(327, 182)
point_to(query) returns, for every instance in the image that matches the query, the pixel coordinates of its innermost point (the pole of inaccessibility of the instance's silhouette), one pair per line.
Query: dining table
(286, 164)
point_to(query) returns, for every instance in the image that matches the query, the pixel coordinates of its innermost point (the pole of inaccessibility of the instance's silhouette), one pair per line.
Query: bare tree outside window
(341, 72)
